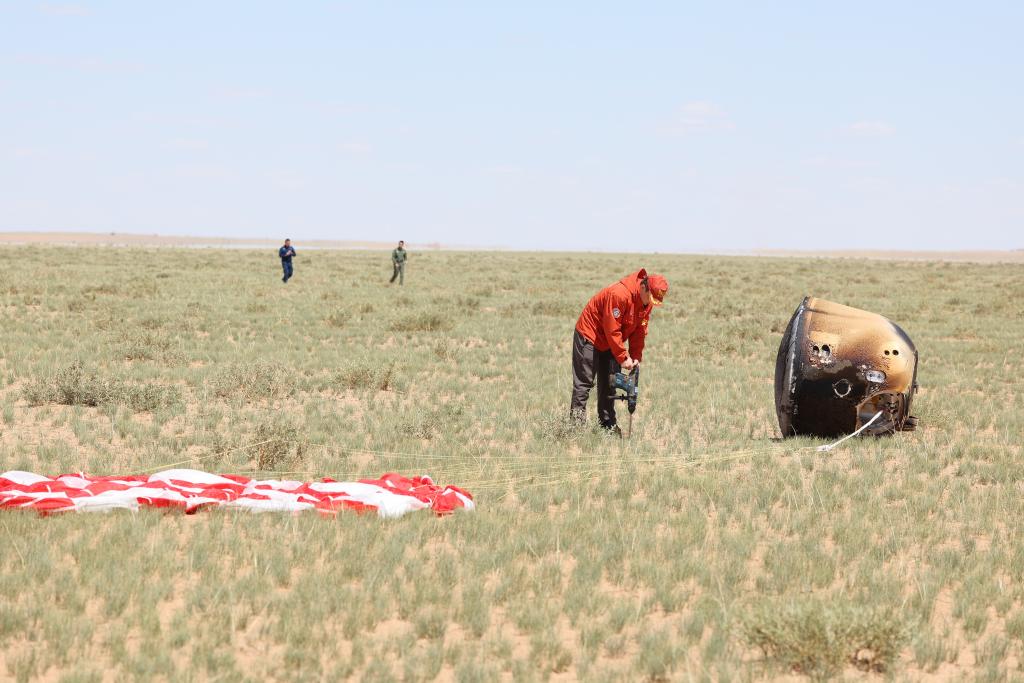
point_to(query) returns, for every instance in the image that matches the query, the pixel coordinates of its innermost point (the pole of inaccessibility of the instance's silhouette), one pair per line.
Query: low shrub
(558, 309)
(276, 442)
(253, 381)
(444, 351)
(818, 639)
(74, 386)
(423, 322)
(151, 344)
(444, 420)
(365, 375)
(562, 429)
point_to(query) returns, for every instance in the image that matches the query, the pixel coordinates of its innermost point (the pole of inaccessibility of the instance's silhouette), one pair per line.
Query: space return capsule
(838, 367)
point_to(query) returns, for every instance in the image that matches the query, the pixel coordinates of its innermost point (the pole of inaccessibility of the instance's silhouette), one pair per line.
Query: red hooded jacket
(616, 315)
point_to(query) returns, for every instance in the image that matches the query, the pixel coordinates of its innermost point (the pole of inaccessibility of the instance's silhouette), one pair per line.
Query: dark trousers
(287, 265)
(587, 364)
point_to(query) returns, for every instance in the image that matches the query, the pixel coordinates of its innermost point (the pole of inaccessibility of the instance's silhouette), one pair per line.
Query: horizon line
(157, 240)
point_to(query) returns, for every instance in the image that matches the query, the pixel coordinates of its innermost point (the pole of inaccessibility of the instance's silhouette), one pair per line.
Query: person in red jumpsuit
(610, 336)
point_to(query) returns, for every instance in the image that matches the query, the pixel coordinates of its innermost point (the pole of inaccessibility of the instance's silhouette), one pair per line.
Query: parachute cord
(828, 447)
(218, 454)
(14, 543)
(558, 465)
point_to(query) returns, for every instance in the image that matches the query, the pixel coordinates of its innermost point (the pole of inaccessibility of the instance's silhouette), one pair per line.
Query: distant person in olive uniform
(286, 253)
(398, 257)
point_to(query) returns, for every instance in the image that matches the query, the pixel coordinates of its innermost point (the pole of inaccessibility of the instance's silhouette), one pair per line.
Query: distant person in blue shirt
(286, 253)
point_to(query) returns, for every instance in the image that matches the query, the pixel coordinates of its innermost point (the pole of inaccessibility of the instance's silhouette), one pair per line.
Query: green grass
(699, 549)
(818, 638)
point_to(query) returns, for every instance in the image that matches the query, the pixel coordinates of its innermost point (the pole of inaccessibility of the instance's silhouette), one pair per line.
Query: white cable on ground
(827, 447)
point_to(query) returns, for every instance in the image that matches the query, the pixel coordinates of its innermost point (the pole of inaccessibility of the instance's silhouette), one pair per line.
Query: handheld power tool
(629, 385)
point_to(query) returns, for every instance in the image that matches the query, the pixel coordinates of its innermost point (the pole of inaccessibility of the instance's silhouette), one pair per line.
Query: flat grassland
(701, 548)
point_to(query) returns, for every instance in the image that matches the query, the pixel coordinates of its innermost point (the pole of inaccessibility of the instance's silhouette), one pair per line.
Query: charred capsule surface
(838, 367)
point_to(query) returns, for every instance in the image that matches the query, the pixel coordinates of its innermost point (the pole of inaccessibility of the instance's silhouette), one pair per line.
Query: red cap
(657, 285)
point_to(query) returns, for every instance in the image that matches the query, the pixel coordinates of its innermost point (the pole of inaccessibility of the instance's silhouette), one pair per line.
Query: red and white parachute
(391, 495)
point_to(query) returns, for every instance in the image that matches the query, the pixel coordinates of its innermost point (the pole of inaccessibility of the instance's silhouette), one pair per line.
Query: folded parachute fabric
(391, 495)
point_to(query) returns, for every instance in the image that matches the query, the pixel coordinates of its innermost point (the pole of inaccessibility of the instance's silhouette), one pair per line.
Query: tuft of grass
(338, 319)
(433, 422)
(70, 386)
(366, 376)
(561, 429)
(818, 638)
(252, 381)
(560, 309)
(146, 398)
(424, 321)
(430, 623)
(74, 386)
(151, 344)
(276, 442)
(658, 655)
(443, 350)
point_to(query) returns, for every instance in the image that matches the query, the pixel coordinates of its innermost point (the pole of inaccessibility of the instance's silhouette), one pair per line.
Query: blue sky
(653, 127)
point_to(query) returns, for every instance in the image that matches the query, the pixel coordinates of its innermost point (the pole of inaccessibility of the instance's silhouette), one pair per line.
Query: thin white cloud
(85, 63)
(507, 171)
(698, 116)
(243, 93)
(206, 172)
(64, 9)
(288, 180)
(355, 147)
(187, 144)
(870, 129)
(338, 108)
(1003, 183)
(833, 163)
(26, 153)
